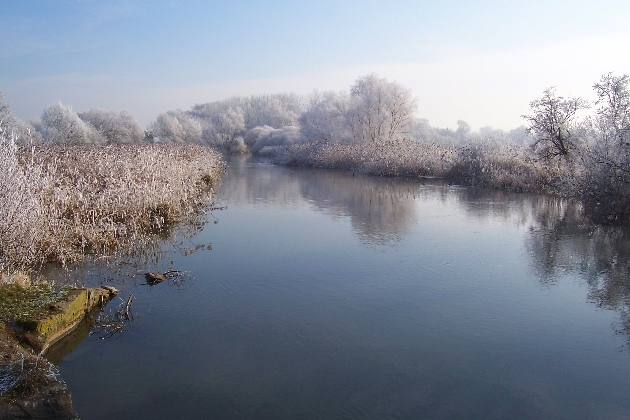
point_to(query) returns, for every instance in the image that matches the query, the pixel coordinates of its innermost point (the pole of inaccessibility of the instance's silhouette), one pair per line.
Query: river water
(328, 295)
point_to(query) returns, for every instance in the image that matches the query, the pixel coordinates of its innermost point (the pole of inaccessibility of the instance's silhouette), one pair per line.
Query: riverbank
(504, 166)
(59, 203)
(34, 317)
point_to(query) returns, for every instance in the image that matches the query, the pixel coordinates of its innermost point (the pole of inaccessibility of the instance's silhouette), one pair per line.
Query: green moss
(17, 302)
(58, 315)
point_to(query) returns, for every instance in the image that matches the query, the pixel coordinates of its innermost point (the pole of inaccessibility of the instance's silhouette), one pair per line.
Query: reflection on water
(599, 255)
(332, 296)
(381, 209)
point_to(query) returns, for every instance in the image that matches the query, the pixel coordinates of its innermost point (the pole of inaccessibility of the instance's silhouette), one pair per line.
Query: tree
(60, 124)
(614, 97)
(116, 128)
(380, 110)
(22, 133)
(605, 182)
(177, 127)
(325, 119)
(550, 124)
(225, 128)
(463, 131)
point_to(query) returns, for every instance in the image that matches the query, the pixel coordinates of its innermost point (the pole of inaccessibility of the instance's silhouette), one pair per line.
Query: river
(318, 294)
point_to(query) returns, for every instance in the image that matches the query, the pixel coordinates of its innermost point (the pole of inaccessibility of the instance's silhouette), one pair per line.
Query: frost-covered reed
(387, 158)
(506, 166)
(60, 202)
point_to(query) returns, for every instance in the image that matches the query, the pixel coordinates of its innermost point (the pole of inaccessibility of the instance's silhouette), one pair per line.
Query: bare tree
(380, 110)
(550, 124)
(605, 182)
(614, 97)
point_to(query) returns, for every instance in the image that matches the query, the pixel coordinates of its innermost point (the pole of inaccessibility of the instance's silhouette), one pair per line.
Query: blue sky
(479, 61)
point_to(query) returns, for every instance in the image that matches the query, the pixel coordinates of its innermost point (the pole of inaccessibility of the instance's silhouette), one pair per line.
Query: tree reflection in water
(558, 237)
(565, 242)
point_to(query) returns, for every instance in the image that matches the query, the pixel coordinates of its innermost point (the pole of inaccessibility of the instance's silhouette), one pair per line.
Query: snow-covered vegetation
(373, 129)
(61, 201)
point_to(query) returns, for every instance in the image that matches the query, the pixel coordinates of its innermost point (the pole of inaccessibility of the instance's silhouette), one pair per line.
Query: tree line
(568, 146)
(374, 109)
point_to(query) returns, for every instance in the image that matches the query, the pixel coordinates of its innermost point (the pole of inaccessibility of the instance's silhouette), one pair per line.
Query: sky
(477, 61)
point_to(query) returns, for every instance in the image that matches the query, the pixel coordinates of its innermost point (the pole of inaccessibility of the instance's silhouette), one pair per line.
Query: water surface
(328, 295)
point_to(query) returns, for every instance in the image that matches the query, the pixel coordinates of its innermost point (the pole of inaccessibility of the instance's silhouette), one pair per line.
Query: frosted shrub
(24, 373)
(101, 196)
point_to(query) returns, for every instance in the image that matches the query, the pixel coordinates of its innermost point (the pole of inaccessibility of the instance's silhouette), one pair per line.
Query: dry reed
(59, 203)
(504, 166)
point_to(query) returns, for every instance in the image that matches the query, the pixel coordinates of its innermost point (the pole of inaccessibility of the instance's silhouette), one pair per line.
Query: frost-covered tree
(225, 129)
(380, 110)
(326, 119)
(463, 132)
(177, 127)
(376, 110)
(22, 133)
(60, 124)
(275, 110)
(605, 180)
(613, 96)
(551, 124)
(114, 127)
(265, 136)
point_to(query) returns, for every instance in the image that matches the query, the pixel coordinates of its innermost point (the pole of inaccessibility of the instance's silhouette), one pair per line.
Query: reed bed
(488, 164)
(509, 167)
(386, 158)
(59, 203)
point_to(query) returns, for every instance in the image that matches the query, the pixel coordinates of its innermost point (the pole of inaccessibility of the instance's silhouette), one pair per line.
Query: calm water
(332, 296)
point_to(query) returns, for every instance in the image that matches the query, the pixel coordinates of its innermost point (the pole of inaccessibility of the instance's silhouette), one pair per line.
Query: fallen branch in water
(108, 325)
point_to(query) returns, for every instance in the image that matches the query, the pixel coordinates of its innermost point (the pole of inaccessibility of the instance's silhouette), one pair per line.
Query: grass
(17, 302)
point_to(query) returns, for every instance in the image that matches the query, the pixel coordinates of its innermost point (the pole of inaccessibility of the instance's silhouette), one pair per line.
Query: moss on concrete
(61, 316)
